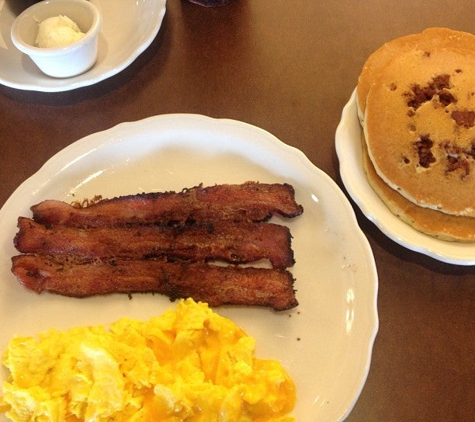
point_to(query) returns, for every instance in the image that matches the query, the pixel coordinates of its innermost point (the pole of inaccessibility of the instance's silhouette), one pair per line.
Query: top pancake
(428, 39)
(419, 127)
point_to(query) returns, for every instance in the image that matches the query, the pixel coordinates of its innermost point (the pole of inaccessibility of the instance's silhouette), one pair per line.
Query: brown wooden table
(288, 67)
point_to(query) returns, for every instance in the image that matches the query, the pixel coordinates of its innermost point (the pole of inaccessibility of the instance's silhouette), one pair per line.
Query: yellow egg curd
(189, 364)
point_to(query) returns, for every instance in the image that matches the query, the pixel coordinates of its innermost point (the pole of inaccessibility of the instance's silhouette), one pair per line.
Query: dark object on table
(212, 3)
(18, 6)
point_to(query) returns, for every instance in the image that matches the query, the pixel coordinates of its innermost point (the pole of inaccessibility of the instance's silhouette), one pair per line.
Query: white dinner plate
(325, 343)
(350, 155)
(128, 28)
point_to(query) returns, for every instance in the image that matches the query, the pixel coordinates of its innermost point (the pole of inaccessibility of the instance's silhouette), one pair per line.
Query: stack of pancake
(416, 105)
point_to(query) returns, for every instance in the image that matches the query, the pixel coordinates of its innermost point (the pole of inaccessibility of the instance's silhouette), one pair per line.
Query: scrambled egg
(190, 364)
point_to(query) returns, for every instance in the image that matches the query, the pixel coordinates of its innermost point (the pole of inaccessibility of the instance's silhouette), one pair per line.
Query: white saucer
(128, 29)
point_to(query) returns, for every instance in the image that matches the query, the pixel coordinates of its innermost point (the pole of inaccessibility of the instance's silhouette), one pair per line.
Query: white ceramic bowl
(59, 62)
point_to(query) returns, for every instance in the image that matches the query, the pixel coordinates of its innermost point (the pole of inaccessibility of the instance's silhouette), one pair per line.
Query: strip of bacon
(216, 285)
(245, 202)
(231, 242)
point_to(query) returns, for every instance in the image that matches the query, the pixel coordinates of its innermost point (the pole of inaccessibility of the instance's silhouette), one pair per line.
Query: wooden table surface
(288, 67)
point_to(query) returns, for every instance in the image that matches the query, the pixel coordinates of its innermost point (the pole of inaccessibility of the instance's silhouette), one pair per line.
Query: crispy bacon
(245, 202)
(216, 285)
(161, 243)
(230, 242)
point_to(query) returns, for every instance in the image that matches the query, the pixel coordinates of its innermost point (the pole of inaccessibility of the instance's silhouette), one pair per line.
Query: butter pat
(57, 31)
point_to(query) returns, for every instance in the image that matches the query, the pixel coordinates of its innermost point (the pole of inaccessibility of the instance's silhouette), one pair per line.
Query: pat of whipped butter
(57, 31)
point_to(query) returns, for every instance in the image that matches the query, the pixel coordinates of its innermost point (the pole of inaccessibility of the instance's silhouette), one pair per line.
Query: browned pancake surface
(434, 223)
(420, 128)
(428, 39)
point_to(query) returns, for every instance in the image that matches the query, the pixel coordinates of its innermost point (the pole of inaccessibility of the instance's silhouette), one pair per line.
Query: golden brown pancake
(420, 128)
(434, 223)
(428, 39)
(377, 61)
